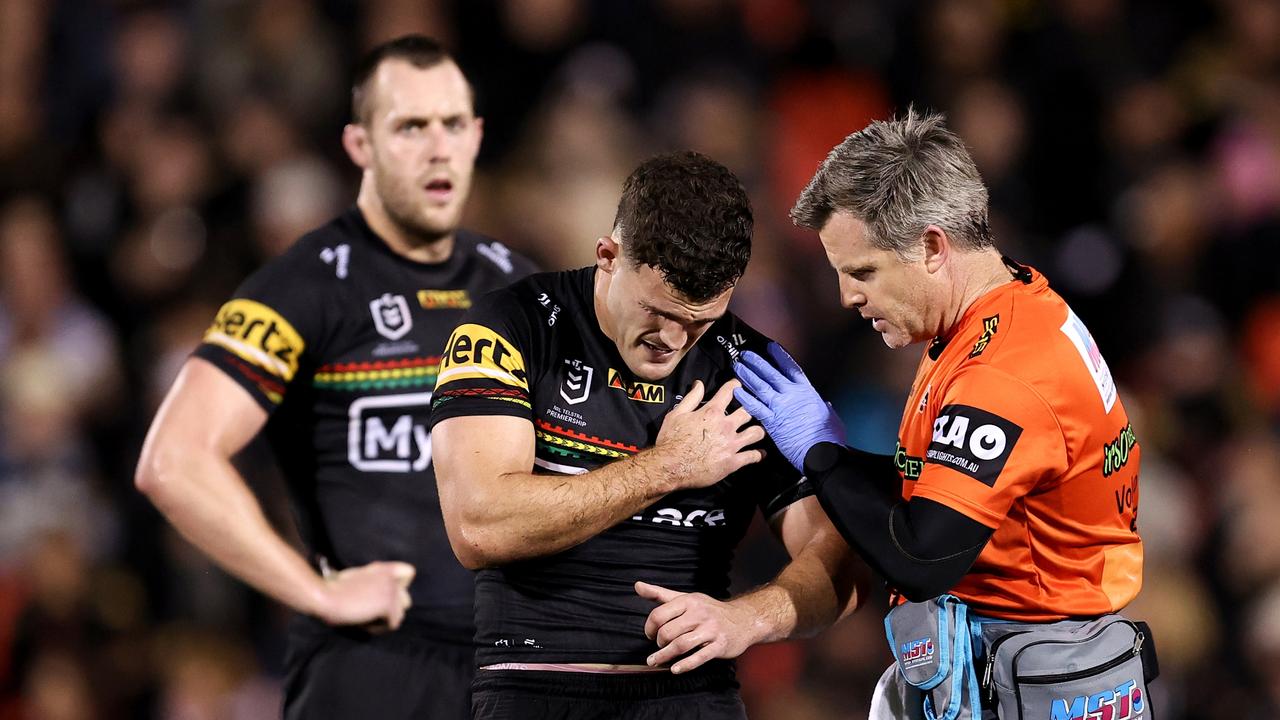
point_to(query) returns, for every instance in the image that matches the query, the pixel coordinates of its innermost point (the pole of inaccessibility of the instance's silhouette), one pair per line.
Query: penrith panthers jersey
(535, 350)
(339, 340)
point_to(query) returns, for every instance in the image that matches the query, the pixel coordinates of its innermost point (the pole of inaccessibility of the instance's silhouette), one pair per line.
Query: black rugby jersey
(535, 350)
(339, 340)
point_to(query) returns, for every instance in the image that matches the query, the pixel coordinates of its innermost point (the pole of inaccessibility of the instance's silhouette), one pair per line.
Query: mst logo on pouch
(391, 316)
(972, 441)
(475, 351)
(383, 434)
(1122, 703)
(644, 392)
(576, 387)
(258, 335)
(916, 653)
(444, 299)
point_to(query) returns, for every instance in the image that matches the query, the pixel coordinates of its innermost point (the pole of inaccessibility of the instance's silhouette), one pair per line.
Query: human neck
(977, 273)
(403, 243)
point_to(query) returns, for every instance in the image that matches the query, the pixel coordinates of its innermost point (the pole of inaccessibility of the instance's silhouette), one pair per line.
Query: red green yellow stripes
(555, 436)
(378, 375)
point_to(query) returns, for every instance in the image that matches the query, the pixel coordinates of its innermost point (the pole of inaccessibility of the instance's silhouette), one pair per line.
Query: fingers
(750, 436)
(691, 399)
(757, 409)
(720, 401)
(681, 645)
(787, 364)
(696, 660)
(650, 591)
(403, 572)
(741, 416)
(747, 457)
(662, 615)
(751, 370)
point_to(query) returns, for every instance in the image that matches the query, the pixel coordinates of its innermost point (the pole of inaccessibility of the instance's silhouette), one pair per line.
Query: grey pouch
(1069, 670)
(933, 649)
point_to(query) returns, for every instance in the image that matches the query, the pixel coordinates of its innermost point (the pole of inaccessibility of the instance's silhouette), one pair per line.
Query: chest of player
(589, 410)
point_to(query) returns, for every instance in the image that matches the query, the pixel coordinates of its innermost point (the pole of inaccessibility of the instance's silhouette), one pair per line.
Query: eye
(456, 124)
(411, 126)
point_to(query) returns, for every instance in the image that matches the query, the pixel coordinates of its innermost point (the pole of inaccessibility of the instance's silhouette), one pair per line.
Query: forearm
(822, 584)
(922, 548)
(523, 515)
(206, 500)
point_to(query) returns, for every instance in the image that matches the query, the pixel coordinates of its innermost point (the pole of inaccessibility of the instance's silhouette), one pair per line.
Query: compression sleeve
(921, 547)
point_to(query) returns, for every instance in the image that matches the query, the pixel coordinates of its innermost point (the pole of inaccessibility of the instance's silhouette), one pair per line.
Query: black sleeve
(486, 367)
(280, 314)
(921, 547)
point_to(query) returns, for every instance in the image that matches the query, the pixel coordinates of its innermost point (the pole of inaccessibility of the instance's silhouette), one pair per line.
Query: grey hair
(899, 177)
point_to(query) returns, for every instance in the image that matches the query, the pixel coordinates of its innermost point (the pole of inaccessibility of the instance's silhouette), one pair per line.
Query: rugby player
(591, 467)
(332, 350)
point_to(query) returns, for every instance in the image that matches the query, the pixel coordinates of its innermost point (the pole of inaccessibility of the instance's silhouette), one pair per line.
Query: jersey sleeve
(261, 336)
(484, 369)
(994, 439)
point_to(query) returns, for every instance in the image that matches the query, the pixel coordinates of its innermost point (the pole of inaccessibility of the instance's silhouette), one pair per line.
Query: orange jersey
(1016, 424)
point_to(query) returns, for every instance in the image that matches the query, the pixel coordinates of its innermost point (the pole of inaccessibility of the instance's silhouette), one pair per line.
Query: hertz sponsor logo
(259, 335)
(643, 392)
(475, 351)
(444, 299)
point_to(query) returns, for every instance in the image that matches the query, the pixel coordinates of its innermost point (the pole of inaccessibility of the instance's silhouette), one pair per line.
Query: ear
(937, 248)
(608, 254)
(355, 140)
(479, 123)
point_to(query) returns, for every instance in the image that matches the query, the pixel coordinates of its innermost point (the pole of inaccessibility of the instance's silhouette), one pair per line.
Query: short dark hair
(419, 51)
(689, 217)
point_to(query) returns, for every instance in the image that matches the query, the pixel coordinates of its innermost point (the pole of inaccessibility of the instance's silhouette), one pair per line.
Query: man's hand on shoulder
(699, 446)
(686, 622)
(377, 594)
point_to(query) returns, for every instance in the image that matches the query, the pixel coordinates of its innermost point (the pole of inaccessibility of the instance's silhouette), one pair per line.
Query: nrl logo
(577, 382)
(391, 316)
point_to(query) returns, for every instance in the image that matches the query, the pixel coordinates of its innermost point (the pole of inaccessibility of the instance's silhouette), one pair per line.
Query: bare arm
(823, 583)
(496, 511)
(186, 471)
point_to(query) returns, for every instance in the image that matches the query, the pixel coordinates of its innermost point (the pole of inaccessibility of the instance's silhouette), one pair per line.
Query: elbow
(148, 477)
(158, 470)
(476, 545)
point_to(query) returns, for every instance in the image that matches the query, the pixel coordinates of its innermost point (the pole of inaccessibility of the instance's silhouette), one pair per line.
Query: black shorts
(542, 695)
(336, 674)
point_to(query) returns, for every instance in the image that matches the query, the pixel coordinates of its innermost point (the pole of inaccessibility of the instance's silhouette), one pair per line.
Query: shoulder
(319, 260)
(729, 337)
(494, 256)
(536, 304)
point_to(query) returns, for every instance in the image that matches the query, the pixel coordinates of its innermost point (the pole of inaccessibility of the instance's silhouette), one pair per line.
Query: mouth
(878, 324)
(440, 189)
(657, 353)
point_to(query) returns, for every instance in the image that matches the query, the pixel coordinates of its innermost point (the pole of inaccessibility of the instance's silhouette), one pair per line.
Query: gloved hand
(791, 411)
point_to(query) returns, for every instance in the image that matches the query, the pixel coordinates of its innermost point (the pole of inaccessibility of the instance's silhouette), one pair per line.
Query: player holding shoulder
(332, 350)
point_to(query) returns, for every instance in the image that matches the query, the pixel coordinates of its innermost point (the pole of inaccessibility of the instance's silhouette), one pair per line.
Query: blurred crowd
(153, 153)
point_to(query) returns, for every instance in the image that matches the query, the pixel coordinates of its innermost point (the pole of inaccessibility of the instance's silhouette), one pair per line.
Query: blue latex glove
(782, 399)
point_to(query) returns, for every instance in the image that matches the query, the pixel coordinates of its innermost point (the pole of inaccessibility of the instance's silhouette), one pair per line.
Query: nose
(851, 296)
(437, 146)
(673, 335)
